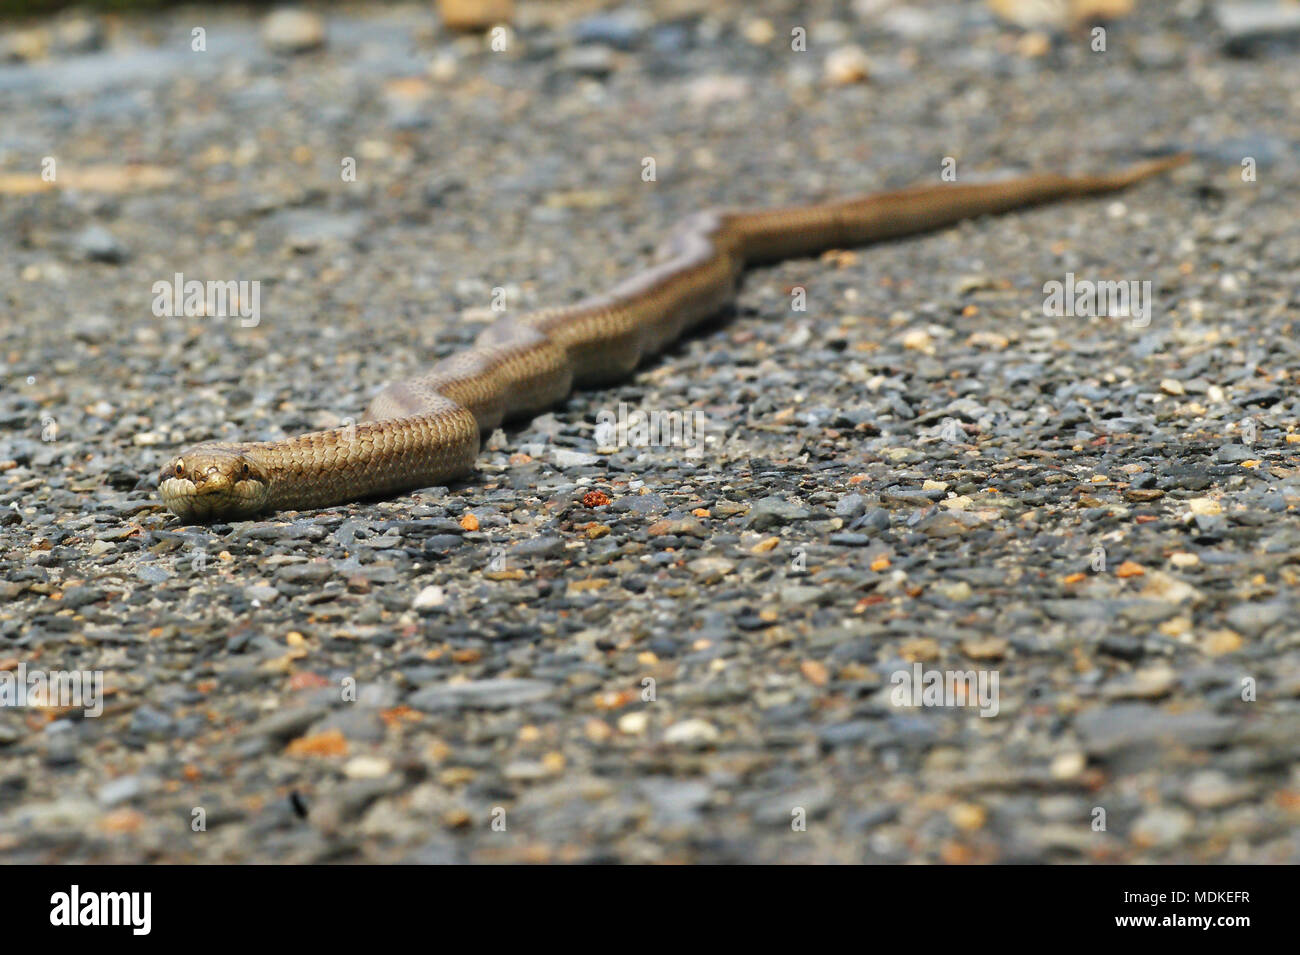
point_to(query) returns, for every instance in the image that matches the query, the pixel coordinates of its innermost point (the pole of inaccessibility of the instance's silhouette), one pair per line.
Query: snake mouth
(201, 503)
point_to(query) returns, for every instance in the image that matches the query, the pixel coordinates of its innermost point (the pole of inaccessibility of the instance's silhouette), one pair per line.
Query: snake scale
(426, 431)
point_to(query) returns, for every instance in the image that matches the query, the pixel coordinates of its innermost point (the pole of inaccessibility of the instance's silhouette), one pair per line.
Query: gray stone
(99, 245)
(490, 694)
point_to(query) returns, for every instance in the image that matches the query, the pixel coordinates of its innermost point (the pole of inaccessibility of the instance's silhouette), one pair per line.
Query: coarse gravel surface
(657, 654)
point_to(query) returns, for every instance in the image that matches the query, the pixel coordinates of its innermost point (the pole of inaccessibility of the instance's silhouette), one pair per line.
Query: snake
(426, 431)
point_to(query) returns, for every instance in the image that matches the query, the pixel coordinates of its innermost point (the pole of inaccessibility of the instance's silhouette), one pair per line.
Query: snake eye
(244, 471)
(180, 467)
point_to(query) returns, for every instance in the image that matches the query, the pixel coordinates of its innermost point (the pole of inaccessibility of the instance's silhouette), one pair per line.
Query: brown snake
(425, 431)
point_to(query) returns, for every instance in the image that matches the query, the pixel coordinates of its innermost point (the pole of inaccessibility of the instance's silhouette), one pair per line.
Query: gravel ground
(655, 654)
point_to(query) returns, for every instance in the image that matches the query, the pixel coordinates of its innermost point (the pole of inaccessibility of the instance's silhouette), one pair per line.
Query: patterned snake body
(425, 431)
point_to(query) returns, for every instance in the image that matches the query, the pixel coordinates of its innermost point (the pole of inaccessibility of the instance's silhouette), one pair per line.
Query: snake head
(214, 482)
